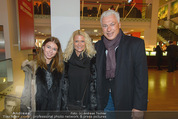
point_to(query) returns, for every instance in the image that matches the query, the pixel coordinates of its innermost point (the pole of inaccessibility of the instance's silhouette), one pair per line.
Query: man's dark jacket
(130, 86)
(159, 52)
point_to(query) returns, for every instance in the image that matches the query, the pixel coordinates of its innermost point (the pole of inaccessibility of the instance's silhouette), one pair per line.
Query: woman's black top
(78, 77)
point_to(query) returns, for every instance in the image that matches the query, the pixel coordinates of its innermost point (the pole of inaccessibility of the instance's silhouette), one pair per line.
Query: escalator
(167, 34)
(168, 30)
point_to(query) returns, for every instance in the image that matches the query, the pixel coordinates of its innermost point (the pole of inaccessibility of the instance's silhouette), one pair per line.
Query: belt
(110, 90)
(110, 79)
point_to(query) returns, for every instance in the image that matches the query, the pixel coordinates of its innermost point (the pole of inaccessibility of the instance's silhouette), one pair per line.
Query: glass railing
(173, 27)
(121, 19)
(126, 10)
(95, 9)
(168, 24)
(6, 72)
(42, 7)
(167, 34)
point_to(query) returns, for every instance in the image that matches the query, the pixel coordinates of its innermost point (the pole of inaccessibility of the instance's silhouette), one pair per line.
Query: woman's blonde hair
(57, 62)
(89, 48)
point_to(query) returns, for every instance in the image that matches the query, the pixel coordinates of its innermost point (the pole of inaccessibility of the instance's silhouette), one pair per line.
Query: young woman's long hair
(89, 48)
(57, 62)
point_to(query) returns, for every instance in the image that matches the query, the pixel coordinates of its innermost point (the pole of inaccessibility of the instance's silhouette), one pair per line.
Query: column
(150, 35)
(65, 18)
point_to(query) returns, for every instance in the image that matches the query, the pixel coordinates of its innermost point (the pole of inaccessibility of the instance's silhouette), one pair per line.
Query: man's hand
(137, 114)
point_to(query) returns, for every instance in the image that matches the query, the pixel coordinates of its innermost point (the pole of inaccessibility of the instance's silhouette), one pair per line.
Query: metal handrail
(10, 96)
(6, 59)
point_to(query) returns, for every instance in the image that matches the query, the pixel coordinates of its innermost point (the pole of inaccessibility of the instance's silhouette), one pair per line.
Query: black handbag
(78, 105)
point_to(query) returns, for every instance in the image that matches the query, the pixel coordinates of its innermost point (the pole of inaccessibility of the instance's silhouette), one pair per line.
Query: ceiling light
(95, 30)
(83, 29)
(132, 30)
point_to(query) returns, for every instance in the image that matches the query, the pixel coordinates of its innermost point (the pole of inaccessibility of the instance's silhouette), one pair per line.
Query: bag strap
(84, 94)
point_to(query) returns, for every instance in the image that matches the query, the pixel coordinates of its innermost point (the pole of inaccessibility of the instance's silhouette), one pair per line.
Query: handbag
(78, 105)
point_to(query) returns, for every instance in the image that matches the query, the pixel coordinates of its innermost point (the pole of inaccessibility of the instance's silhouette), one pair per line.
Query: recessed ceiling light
(95, 30)
(132, 30)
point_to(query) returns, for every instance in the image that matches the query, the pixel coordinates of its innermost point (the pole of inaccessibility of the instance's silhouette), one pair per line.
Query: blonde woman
(79, 58)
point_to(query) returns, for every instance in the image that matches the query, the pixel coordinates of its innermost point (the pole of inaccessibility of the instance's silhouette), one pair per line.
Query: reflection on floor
(13, 90)
(162, 90)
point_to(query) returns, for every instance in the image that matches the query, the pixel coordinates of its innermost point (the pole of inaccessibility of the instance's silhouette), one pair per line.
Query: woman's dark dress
(79, 77)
